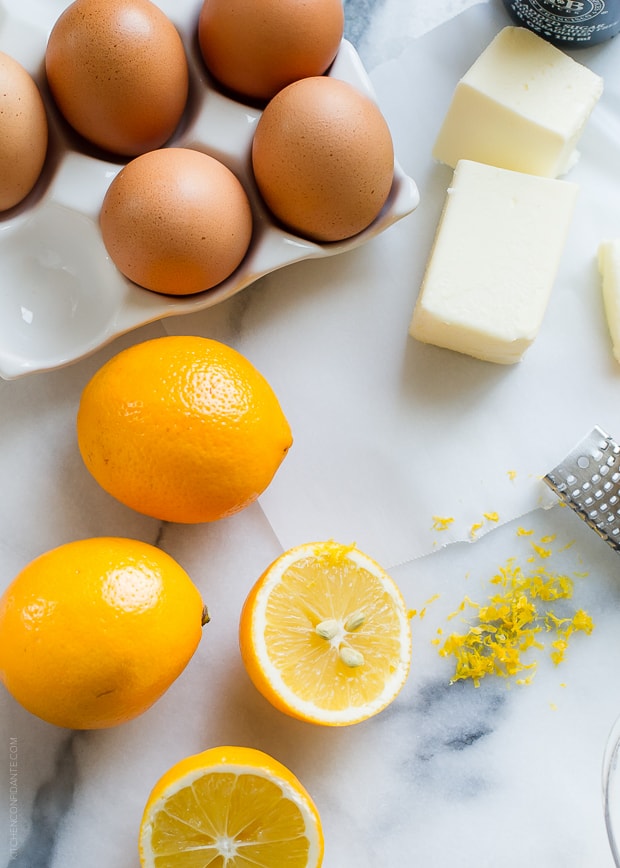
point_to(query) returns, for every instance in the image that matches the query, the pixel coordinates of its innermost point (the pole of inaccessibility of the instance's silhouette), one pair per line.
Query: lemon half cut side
(230, 807)
(325, 636)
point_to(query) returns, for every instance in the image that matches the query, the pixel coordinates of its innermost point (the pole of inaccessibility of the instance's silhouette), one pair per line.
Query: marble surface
(451, 774)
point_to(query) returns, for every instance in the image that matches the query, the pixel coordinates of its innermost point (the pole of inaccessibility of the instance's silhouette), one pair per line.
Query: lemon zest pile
(513, 622)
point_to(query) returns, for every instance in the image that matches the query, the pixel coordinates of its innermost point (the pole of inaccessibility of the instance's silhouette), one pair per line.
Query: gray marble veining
(52, 801)
(358, 18)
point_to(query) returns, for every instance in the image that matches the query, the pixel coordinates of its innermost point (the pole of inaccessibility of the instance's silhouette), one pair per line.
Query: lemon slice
(324, 635)
(231, 807)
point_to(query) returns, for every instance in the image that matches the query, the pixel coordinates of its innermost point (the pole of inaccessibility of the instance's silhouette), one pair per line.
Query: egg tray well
(61, 297)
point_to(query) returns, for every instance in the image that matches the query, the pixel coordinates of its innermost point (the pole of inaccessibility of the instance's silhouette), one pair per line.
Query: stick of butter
(493, 263)
(522, 105)
(609, 267)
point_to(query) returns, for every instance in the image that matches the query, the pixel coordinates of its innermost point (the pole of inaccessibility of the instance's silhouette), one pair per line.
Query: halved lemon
(324, 635)
(231, 807)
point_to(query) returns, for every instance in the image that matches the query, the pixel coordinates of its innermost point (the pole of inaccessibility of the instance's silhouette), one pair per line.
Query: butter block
(522, 105)
(493, 262)
(609, 268)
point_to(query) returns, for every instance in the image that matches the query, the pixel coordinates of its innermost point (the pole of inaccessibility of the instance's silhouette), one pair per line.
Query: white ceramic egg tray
(61, 297)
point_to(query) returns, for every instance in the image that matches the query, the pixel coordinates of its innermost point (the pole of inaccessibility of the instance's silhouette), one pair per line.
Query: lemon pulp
(346, 664)
(228, 820)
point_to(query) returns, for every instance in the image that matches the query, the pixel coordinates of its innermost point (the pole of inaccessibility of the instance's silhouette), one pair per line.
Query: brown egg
(323, 158)
(23, 132)
(257, 47)
(176, 221)
(118, 72)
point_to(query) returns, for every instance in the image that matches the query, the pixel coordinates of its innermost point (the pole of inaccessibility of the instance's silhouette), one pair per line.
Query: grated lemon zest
(478, 525)
(511, 622)
(540, 551)
(465, 602)
(422, 612)
(512, 474)
(583, 621)
(334, 553)
(441, 522)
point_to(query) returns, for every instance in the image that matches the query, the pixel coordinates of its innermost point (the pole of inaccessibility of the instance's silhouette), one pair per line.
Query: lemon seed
(350, 657)
(327, 629)
(354, 621)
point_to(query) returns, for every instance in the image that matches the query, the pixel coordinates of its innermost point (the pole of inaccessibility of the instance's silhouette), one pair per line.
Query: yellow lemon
(232, 806)
(183, 429)
(325, 636)
(93, 632)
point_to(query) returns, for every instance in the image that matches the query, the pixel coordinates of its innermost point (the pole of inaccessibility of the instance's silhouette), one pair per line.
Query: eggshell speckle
(176, 221)
(257, 47)
(23, 132)
(323, 158)
(118, 72)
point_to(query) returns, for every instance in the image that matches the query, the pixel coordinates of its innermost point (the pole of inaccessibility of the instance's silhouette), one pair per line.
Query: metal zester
(588, 480)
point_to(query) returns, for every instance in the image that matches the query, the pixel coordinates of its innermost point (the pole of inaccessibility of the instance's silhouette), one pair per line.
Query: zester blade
(588, 480)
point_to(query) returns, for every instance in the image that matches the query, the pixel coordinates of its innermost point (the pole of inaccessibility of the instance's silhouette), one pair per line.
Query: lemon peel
(442, 522)
(514, 620)
(421, 613)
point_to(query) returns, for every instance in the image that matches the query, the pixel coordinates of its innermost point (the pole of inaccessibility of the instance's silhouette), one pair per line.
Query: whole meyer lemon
(183, 429)
(94, 631)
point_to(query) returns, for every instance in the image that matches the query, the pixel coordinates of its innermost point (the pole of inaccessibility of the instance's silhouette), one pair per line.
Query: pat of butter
(522, 105)
(493, 262)
(609, 267)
